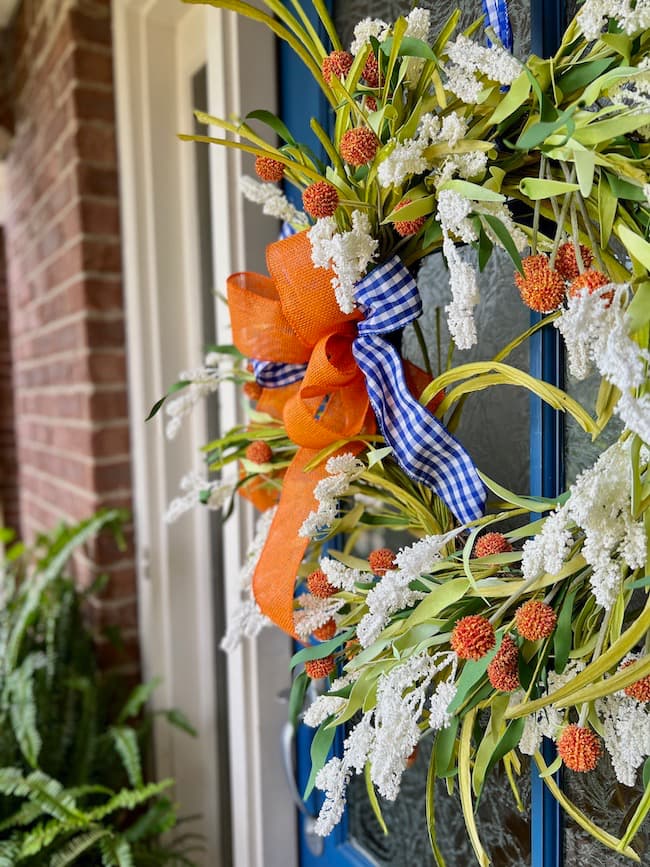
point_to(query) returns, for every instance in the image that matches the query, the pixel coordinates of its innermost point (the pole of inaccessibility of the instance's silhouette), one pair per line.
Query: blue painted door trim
(546, 465)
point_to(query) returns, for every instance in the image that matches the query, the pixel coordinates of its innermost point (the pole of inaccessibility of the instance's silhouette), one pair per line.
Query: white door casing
(158, 45)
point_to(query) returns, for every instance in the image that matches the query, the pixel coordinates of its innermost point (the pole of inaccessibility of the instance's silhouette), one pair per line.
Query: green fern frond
(25, 815)
(116, 852)
(129, 799)
(20, 686)
(9, 853)
(41, 789)
(77, 846)
(137, 699)
(159, 818)
(126, 744)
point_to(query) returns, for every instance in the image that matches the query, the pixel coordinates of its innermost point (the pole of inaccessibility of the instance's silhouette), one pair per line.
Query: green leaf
(441, 597)
(418, 208)
(580, 74)
(432, 233)
(318, 651)
(485, 247)
(320, 747)
(474, 192)
(646, 773)
(376, 456)
(541, 188)
(635, 245)
(598, 132)
(538, 132)
(473, 671)
(638, 313)
(505, 238)
(372, 797)
(516, 97)
(408, 47)
(177, 718)
(297, 697)
(563, 633)
(623, 189)
(444, 747)
(640, 582)
(138, 698)
(274, 122)
(430, 804)
(607, 204)
(585, 163)
(177, 386)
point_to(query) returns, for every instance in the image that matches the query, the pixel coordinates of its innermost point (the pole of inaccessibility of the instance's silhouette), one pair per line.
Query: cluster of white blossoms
(325, 706)
(599, 504)
(274, 202)
(196, 488)
(347, 253)
(453, 213)
(418, 26)
(626, 732)
(341, 576)
(342, 470)
(409, 157)
(313, 613)
(547, 722)
(632, 17)
(202, 382)
(595, 329)
(468, 59)
(392, 592)
(386, 736)
(248, 621)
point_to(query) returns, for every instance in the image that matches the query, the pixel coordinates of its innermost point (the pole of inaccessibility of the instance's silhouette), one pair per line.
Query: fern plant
(73, 739)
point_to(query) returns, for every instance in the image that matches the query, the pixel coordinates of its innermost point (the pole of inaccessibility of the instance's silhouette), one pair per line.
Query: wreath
(508, 617)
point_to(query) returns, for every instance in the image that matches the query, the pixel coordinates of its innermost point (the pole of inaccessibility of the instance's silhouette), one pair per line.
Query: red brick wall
(65, 286)
(8, 475)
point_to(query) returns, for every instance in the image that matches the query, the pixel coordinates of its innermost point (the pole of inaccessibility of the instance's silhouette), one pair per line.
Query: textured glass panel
(348, 13)
(504, 831)
(610, 805)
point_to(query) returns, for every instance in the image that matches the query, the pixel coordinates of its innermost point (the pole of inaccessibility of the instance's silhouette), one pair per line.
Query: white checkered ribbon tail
(497, 17)
(275, 374)
(421, 444)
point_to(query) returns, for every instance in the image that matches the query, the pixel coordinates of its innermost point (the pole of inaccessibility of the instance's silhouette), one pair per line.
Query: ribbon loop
(498, 19)
(422, 446)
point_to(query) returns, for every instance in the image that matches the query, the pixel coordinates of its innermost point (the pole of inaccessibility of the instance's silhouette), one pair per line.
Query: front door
(521, 444)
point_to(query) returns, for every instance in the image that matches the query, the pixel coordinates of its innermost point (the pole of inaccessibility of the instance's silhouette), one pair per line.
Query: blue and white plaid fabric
(286, 231)
(422, 445)
(498, 19)
(274, 374)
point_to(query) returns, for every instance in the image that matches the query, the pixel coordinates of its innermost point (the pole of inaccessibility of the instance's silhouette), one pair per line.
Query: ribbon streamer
(422, 446)
(498, 19)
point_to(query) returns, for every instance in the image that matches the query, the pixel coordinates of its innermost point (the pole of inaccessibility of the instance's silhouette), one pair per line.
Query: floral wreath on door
(509, 618)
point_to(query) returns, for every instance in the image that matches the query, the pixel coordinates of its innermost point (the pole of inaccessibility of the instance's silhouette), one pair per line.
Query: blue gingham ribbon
(498, 19)
(274, 374)
(422, 446)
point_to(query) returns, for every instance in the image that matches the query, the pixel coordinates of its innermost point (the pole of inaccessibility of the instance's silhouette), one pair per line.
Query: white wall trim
(156, 42)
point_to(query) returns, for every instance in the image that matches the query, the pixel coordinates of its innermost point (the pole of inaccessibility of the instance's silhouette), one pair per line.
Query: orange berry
(381, 560)
(472, 637)
(319, 585)
(540, 288)
(338, 64)
(269, 169)
(535, 619)
(326, 631)
(404, 228)
(491, 543)
(317, 668)
(259, 452)
(503, 671)
(640, 689)
(320, 199)
(579, 748)
(371, 71)
(371, 103)
(566, 263)
(359, 146)
(590, 280)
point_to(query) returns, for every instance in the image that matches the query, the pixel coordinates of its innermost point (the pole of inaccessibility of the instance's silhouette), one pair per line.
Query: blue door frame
(300, 99)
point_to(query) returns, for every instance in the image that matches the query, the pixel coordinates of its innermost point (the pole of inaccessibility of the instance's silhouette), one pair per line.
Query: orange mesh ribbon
(292, 316)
